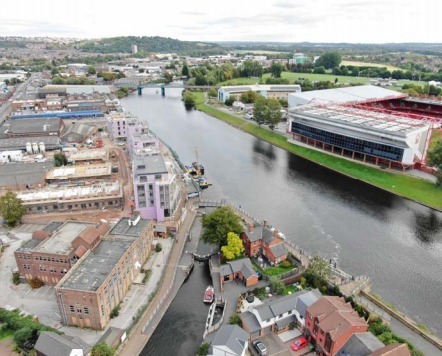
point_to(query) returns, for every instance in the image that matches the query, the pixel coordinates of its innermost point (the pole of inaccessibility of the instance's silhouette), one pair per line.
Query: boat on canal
(209, 295)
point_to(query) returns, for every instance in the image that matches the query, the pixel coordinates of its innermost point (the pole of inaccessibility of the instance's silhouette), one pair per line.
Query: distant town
(102, 223)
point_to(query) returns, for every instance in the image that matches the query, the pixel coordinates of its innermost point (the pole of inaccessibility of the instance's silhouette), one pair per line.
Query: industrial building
(267, 91)
(52, 252)
(79, 173)
(99, 195)
(367, 123)
(100, 280)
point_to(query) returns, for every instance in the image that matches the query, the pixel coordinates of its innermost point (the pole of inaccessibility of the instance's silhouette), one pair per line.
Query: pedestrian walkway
(140, 335)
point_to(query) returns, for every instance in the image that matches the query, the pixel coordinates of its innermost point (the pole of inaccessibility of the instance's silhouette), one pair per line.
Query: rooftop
(19, 143)
(25, 126)
(124, 228)
(80, 171)
(359, 118)
(261, 87)
(90, 274)
(152, 164)
(61, 241)
(66, 193)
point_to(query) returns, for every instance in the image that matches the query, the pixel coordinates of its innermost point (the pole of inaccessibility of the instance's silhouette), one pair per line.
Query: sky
(353, 21)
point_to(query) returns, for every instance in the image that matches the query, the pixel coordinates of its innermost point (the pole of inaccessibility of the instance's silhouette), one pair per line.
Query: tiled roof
(392, 350)
(278, 250)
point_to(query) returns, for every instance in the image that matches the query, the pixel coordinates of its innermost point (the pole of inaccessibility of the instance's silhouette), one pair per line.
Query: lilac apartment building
(122, 125)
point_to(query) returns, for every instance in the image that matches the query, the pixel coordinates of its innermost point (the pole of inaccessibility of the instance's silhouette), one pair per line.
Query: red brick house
(261, 240)
(241, 270)
(330, 322)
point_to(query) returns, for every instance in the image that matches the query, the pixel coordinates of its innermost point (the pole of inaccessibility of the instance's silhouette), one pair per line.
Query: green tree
(260, 110)
(200, 80)
(203, 350)
(434, 159)
(11, 208)
(235, 319)
(168, 77)
(319, 70)
(60, 159)
(276, 69)
(213, 93)
(276, 285)
(185, 71)
(329, 60)
(249, 97)
(234, 247)
(319, 268)
(102, 350)
(22, 335)
(189, 99)
(91, 70)
(229, 101)
(218, 224)
(273, 113)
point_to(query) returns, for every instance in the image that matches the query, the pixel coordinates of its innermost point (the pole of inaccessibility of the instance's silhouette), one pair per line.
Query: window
(102, 309)
(26, 267)
(72, 308)
(86, 310)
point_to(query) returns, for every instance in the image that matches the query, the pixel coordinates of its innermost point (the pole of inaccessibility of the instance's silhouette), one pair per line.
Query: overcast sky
(365, 21)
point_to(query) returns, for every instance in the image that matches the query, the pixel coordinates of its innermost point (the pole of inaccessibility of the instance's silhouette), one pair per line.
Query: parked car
(299, 344)
(260, 347)
(250, 298)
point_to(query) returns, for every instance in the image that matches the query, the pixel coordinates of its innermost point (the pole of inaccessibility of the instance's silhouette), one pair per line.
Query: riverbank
(416, 189)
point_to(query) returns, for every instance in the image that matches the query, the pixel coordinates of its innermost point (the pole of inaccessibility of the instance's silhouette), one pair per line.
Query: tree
(319, 267)
(273, 113)
(229, 101)
(22, 335)
(11, 208)
(102, 350)
(189, 99)
(260, 110)
(276, 69)
(185, 71)
(276, 285)
(218, 224)
(249, 97)
(213, 93)
(91, 70)
(234, 247)
(168, 77)
(203, 350)
(434, 159)
(319, 70)
(200, 80)
(60, 159)
(235, 319)
(329, 60)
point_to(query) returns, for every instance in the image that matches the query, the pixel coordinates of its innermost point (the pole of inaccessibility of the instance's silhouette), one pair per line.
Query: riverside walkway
(172, 279)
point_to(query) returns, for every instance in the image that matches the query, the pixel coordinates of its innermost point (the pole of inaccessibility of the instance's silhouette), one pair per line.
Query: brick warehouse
(99, 281)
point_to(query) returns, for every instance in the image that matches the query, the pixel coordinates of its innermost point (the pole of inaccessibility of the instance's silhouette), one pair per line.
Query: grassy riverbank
(413, 188)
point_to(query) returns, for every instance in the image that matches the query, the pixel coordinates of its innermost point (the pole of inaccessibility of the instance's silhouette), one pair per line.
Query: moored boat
(209, 295)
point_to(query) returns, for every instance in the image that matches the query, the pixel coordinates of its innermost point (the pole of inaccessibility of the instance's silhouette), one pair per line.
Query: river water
(396, 242)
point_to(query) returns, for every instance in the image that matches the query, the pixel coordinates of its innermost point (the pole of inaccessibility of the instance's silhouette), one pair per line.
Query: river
(396, 242)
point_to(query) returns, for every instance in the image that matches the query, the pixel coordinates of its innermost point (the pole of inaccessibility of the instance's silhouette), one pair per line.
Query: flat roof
(344, 95)
(83, 155)
(151, 164)
(19, 143)
(23, 173)
(90, 274)
(122, 228)
(25, 126)
(80, 171)
(61, 241)
(263, 87)
(425, 101)
(353, 117)
(70, 193)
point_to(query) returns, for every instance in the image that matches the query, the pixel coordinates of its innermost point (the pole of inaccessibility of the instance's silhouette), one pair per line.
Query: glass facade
(349, 143)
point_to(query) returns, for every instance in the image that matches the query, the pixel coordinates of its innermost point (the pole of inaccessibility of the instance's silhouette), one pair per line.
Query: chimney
(265, 223)
(251, 227)
(275, 232)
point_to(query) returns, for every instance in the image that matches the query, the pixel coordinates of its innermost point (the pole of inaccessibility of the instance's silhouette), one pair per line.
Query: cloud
(20, 27)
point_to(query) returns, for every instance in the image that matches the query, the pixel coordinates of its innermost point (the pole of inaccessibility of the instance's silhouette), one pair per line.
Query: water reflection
(265, 154)
(427, 226)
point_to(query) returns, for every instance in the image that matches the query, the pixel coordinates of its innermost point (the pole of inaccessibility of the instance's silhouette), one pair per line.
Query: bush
(36, 283)
(286, 264)
(147, 275)
(203, 350)
(276, 285)
(158, 247)
(16, 278)
(22, 335)
(115, 312)
(235, 319)
(229, 101)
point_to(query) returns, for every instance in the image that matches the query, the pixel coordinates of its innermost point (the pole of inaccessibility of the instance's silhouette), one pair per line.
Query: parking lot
(276, 345)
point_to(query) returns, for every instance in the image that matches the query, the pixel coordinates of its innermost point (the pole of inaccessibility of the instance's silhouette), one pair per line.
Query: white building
(267, 91)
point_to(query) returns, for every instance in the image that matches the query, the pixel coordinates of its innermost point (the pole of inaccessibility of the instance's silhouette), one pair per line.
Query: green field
(369, 64)
(404, 185)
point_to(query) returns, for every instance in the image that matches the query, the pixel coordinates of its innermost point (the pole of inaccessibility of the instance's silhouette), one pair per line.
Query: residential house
(241, 269)
(52, 344)
(392, 350)
(260, 240)
(360, 344)
(330, 322)
(280, 314)
(229, 340)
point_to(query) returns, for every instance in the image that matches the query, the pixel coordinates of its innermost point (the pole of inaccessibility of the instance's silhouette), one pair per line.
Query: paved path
(137, 339)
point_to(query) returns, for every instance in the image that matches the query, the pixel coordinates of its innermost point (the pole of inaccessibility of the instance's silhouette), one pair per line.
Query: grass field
(404, 185)
(363, 64)
(258, 52)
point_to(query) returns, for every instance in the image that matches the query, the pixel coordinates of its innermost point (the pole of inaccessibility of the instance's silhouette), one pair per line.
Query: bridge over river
(140, 85)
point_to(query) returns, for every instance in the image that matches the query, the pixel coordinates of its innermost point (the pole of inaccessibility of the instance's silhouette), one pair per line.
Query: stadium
(367, 123)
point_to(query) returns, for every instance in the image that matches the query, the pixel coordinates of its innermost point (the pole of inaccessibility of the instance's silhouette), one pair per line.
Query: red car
(299, 344)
